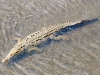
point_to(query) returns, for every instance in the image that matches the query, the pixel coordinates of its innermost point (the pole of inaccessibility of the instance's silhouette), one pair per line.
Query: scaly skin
(36, 38)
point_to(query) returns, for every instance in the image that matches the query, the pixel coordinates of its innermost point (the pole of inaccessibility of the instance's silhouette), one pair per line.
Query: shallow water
(79, 55)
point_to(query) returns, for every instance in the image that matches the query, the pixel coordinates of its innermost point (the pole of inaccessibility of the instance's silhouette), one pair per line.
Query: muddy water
(79, 55)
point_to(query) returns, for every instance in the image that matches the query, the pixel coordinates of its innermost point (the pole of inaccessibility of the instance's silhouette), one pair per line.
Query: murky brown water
(79, 55)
